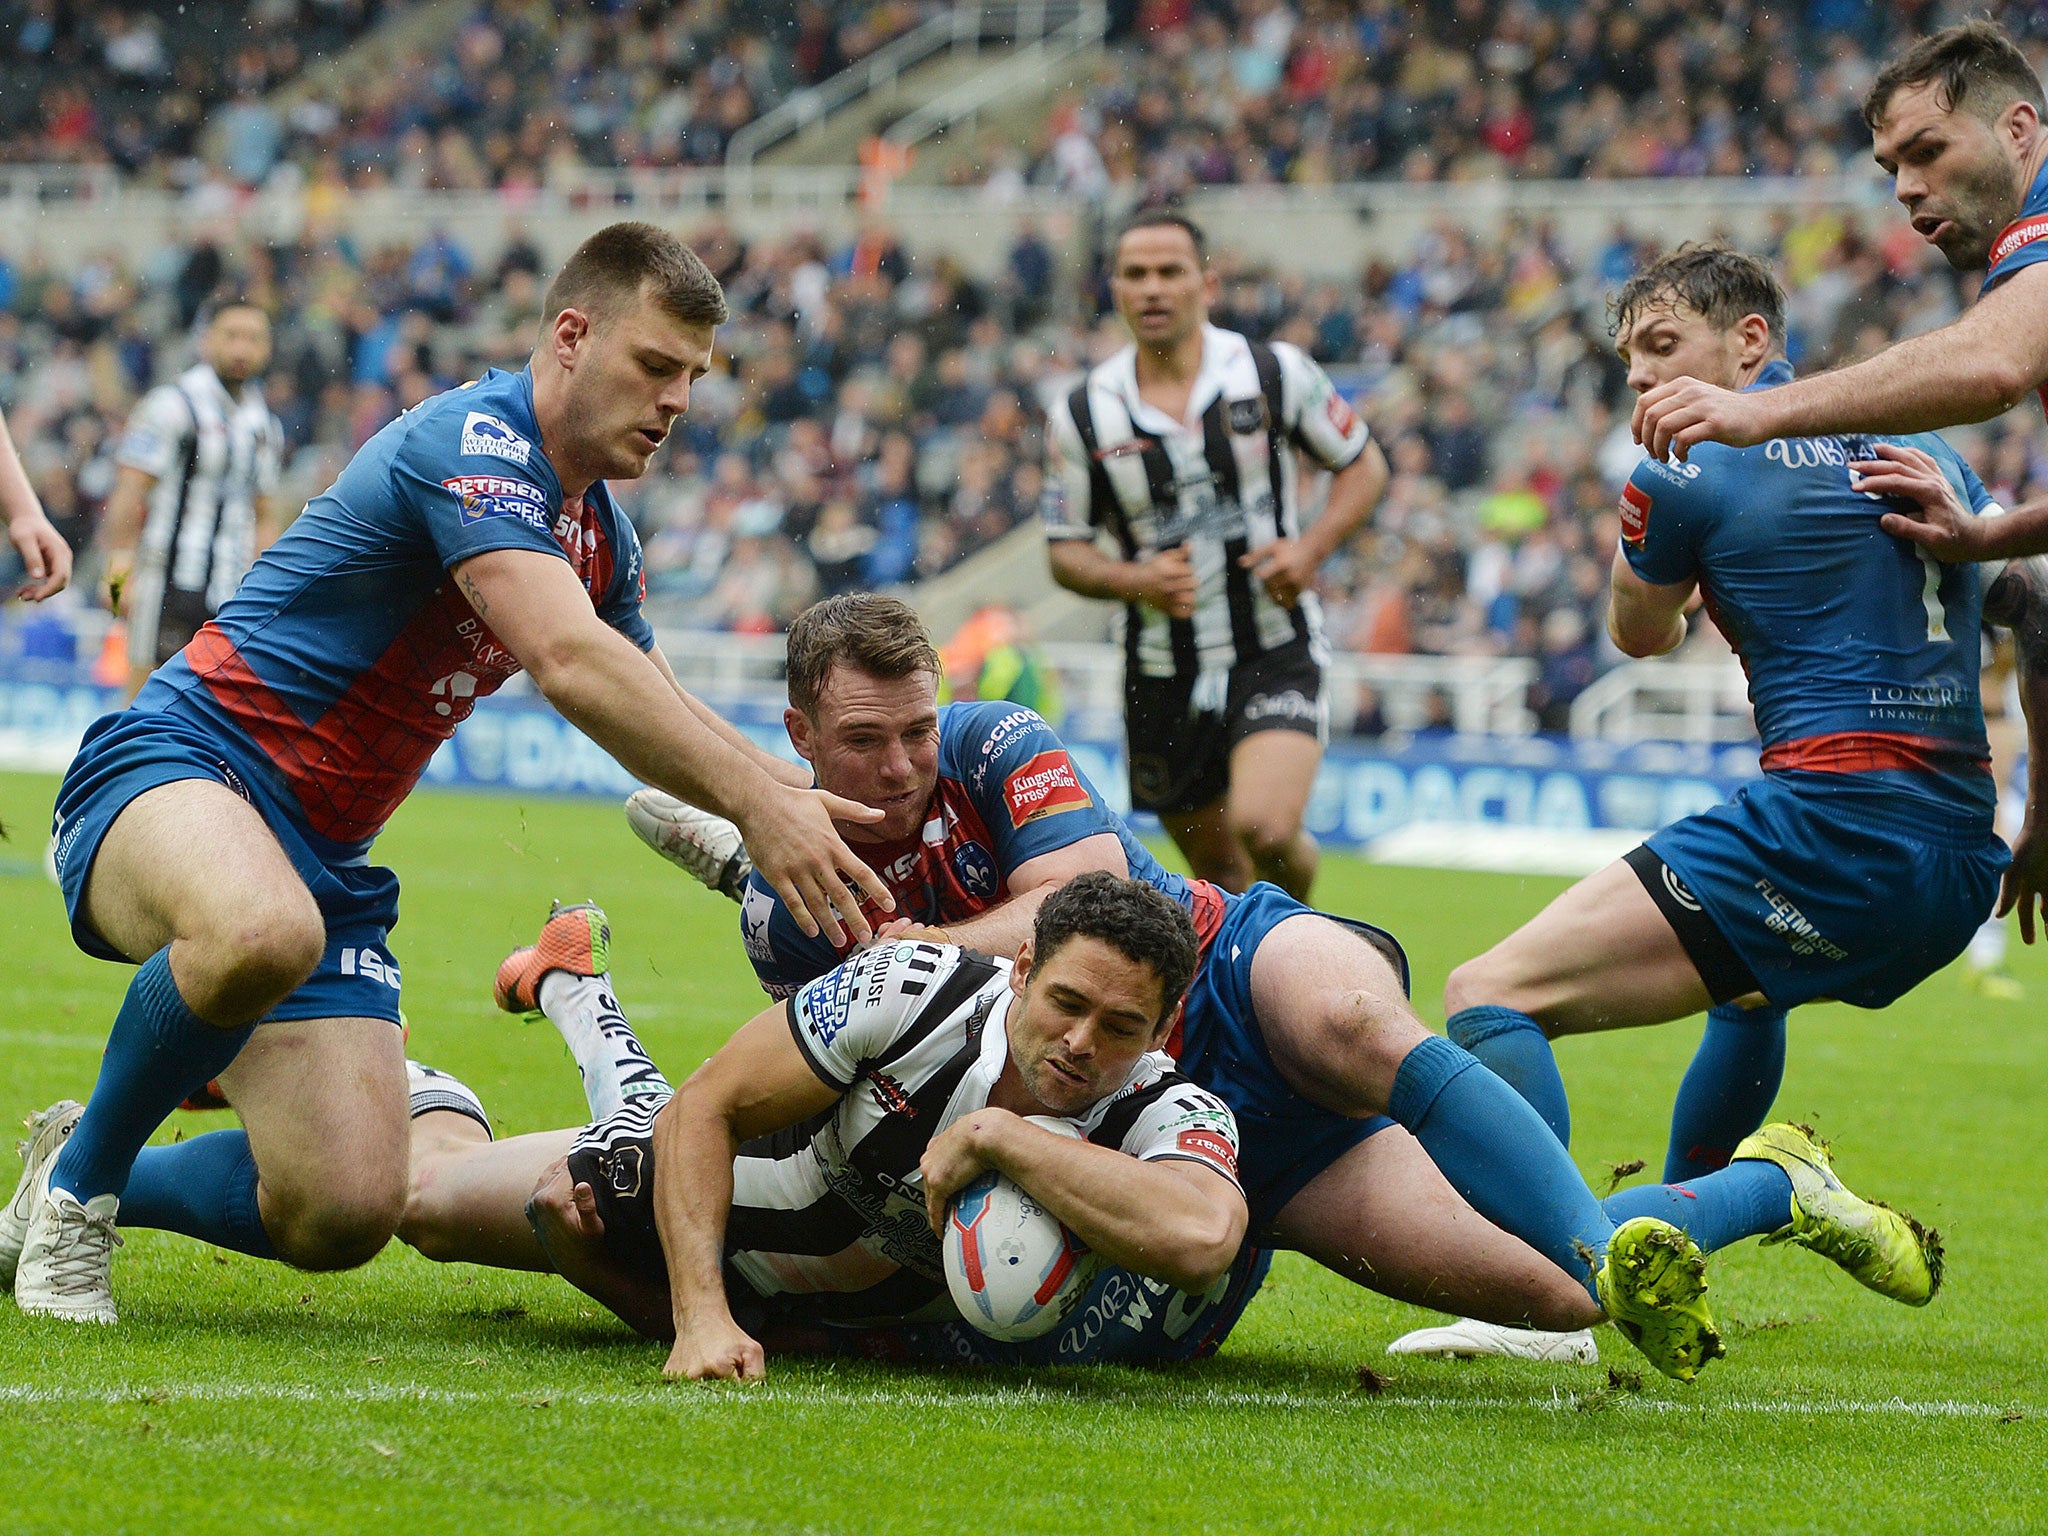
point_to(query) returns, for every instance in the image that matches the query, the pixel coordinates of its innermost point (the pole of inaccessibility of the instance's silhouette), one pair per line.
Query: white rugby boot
(47, 1133)
(1467, 1339)
(67, 1259)
(709, 847)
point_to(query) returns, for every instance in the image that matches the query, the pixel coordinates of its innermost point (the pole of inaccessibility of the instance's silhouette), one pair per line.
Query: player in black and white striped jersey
(797, 1178)
(194, 497)
(1182, 448)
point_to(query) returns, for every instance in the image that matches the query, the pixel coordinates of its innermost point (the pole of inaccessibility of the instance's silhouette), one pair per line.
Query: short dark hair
(1164, 218)
(1710, 279)
(1973, 62)
(214, 308)
(882, 636)
(620, 262)
(1132, 918)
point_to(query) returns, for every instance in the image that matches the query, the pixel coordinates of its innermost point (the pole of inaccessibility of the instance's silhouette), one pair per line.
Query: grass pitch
(240, 1396)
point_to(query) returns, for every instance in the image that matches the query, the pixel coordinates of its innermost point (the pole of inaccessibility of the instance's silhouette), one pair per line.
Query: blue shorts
(1284, 1141)
(1124, 1319)
(127, 754)
(1837, 889)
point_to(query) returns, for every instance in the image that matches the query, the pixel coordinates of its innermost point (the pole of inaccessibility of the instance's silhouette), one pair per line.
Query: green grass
(237, 1395)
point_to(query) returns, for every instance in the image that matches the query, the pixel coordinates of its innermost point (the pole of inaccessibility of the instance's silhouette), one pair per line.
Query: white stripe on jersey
(1200, 512)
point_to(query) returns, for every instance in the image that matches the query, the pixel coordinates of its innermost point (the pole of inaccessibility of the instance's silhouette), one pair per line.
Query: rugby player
(798, 1181)
(1296, 1019)
(1182, 448)
(36, 547)
(216, 833)
(1864, 859)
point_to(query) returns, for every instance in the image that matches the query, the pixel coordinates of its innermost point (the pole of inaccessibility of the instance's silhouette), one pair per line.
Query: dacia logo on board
(487, 435)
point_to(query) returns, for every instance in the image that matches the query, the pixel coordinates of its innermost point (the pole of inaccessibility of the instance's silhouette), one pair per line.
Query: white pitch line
(51, 1040)
(812, 1394)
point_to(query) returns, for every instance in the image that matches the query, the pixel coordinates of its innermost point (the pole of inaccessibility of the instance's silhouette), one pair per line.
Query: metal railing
(1026, 66)
(1703, 701)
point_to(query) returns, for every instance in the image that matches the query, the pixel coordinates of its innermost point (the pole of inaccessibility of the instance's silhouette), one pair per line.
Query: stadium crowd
(875, 417)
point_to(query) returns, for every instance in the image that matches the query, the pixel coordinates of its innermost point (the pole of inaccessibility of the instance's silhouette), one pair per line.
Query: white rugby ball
(1014, 1270)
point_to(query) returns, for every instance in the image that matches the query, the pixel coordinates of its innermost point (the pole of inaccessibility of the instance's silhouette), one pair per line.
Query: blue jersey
(1008, 792)
(347, 655)
(2022, 243)
(1861, 652)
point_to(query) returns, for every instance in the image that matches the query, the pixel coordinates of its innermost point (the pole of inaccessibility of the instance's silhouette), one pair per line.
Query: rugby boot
(67, 1255)
(708, 847)
(1469, 1339)
(575, 939)
(1653, 1286)
(1885, 1249)
(47, 1133)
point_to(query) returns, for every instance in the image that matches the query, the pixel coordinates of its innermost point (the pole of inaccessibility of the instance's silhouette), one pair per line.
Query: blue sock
(1499, 1155)
(1751, 1198)
(1727, 1091)
(204, 1188)
(159, 1051)
(1512, 1046)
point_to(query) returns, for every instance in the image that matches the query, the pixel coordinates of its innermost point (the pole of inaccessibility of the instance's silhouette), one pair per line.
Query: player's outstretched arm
(1172, 1220)
(605, 686)
(757, 1083)
(782, 772)
(1645, 618)
(44, 554)
(1976, 367)
(1935, 518)
(1003, 928)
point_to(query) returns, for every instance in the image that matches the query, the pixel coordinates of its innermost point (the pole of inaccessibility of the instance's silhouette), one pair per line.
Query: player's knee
(340, 1229)
(1466, 986)
(259, 958)
(1265, 836)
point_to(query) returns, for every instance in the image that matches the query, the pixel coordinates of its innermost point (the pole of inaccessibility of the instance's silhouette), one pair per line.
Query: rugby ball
(1014, 1270)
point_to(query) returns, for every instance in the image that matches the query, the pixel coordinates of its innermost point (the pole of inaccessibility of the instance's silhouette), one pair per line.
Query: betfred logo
(1635, 514)
(1045, 786)
(2023, 232)
(1209, 1146)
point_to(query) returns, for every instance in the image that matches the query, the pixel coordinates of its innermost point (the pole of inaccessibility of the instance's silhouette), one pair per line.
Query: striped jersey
(1223, 482)
(912, 1037)
(211, 454)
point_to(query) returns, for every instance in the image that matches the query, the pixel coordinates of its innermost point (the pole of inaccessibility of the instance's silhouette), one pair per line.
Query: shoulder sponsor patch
(488, 435)
(1337, 410)
(482, 496)
(1635, 514)
(1045, 786)
(1211, 1146)
(2018, 234)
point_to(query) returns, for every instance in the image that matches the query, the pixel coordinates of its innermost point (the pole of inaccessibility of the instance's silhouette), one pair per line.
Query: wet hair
(1137, 921)
(1165, 218)
(621, 261)
(1974, 64)
(1712, 280)
(881, 636)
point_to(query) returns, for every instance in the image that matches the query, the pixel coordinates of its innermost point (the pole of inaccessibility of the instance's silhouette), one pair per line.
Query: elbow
(2003, 382)
(1204, 1251)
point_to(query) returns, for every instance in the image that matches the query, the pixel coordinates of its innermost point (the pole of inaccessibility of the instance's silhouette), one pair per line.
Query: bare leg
(1212, 850)
(1271, 774)
(565, 1220)
(1383, 1215)
(1333, 1015)
(467, 1197)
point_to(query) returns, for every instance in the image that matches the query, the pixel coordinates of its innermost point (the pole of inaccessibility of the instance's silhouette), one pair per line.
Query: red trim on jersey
(1635, 514)
(1208, 906)
(1873, 752)
(2020, 232)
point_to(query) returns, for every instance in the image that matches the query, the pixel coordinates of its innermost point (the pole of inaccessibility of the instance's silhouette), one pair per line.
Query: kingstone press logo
(487, 435)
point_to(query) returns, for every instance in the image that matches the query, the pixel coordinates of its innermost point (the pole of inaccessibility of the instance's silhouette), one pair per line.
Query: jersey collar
(1220, 348)
(1777, 371)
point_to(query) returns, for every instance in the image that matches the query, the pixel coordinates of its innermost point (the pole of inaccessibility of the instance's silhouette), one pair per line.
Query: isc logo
(367, 962)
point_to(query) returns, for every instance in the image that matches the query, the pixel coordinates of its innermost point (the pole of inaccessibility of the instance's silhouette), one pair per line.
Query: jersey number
(1930, 598)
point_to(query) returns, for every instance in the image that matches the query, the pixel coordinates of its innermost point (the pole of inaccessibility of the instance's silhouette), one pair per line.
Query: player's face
(1158, 285)
(1665, 340)
(628, 382)
(874, 740)
(1956, 174)
(1081, 1020)
(238, 345)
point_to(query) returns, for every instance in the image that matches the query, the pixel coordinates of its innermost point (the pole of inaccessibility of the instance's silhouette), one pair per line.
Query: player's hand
(717, 1349)
(44, 554)
(1673, 418)
(1167, 582)
(955, 1158)
(910, 930)
(1936, 521)
(1286, 569)
(800, 853)
(2025, 885)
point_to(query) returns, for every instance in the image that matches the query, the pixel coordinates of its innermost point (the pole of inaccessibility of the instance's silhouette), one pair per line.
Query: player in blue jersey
(217, 832)
(1864, 859)
(1297, 1019)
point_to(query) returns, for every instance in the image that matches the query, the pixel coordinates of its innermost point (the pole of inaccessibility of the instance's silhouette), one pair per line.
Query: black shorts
(1726, 974)
(1180, 761)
